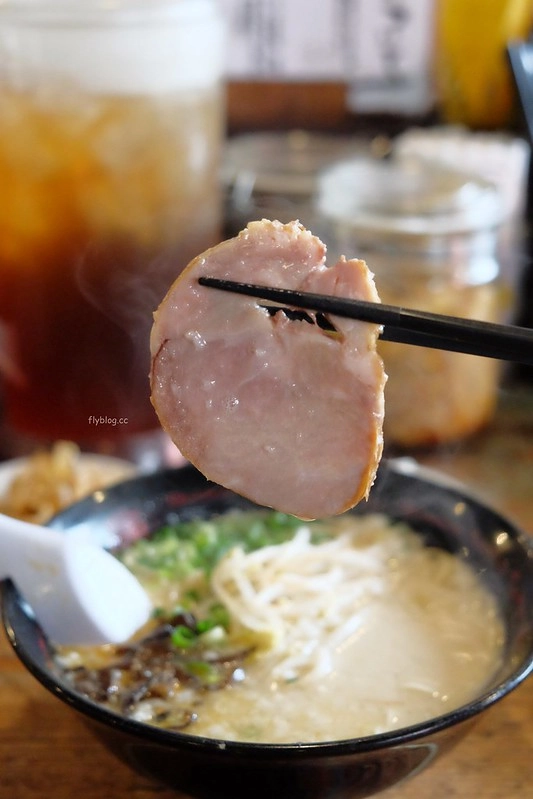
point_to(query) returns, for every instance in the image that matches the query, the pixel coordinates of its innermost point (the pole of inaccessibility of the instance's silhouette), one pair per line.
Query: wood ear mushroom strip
(275, 408)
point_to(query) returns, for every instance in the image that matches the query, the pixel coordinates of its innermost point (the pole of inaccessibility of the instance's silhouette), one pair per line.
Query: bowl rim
(187, 741)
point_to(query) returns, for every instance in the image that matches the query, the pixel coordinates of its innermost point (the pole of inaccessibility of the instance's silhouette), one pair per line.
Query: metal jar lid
(406, 199)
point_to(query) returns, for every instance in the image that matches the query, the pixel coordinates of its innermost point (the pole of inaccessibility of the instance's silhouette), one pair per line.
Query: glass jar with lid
(429, 234)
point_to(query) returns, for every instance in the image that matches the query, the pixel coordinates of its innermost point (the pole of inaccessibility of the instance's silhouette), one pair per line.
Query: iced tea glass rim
(101, 13)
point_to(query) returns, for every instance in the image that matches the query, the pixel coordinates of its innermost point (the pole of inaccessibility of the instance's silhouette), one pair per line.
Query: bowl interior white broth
(350, 627)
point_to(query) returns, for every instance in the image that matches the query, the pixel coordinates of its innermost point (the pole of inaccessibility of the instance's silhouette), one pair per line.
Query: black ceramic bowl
(215, 769)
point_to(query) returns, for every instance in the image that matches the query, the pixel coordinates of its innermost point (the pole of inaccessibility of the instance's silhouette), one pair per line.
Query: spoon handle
(79, 592)
(22, 543)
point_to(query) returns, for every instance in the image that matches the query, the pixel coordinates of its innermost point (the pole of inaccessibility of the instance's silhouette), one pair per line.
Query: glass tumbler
(471, 71)
(111, 126)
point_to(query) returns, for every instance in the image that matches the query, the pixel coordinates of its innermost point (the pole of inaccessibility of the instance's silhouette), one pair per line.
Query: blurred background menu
(400, 57)
(381, 50)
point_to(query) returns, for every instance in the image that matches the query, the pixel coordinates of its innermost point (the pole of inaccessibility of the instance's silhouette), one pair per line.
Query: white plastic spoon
(79, 592)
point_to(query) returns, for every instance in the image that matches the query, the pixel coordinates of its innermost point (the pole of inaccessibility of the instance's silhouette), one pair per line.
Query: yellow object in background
(473, 78)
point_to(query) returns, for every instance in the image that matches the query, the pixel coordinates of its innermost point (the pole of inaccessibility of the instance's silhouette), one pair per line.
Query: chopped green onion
(186, 548)
(206, 672)
(183, 637)
(204, 625)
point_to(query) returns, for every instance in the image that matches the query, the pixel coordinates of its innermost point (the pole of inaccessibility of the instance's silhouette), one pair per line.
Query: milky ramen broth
(342, 629)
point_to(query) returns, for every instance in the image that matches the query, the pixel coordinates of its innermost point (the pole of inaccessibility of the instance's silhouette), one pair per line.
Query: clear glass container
(429, 234)
(274, 175)
(110, 142)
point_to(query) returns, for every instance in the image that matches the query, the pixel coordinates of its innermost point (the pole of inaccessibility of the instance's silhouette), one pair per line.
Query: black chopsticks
(403, 325)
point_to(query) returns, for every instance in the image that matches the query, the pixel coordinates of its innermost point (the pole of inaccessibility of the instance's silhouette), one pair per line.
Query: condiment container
(274, 175)
(429, 234)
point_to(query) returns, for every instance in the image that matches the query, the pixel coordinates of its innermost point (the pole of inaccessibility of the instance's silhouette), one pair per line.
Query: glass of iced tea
(111, 126)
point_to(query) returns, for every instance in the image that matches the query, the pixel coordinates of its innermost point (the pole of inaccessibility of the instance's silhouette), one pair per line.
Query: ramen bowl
(207, 768)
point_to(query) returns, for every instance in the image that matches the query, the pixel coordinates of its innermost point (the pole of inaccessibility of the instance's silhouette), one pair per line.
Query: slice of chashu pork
(277, 409)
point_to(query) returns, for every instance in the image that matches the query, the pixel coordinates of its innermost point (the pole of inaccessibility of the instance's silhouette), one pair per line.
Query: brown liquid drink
(105, 194)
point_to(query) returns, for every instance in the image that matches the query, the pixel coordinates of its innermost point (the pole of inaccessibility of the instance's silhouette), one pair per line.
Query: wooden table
(47, 753)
